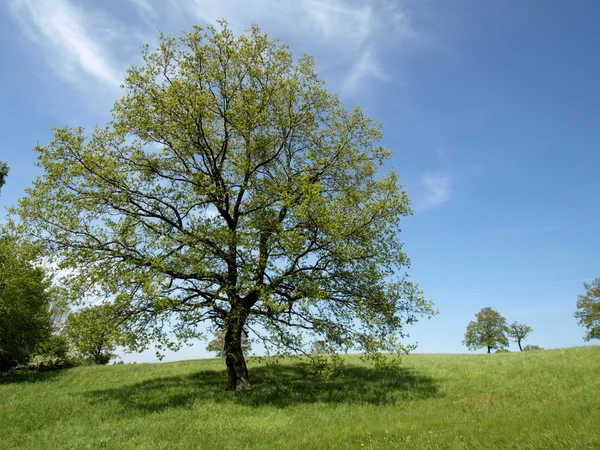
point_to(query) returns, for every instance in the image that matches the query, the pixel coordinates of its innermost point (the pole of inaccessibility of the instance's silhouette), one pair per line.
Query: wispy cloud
(146, 10)
(62, 31)
(437, 190)
(365, 67)
(342, 34)
(144, 5)
(351, 40)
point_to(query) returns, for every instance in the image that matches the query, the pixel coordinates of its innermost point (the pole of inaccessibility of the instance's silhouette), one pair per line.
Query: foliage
(55, 345)
(532, 348)
(93, 332)
(588, 309)
(217, 345)
(3, 173)
(502, 350)
(432, 402)
(44, 363)
(489, 330)
(230, 187)
(25, 297)
(518, 332)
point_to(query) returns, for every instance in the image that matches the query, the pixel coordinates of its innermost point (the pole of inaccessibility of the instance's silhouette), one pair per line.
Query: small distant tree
(319, 347)
(25, 296)
(3, 173)
(518, 332)
(218, 344)
(588, 309)
(489, 330)
(93, 332)
(532, 348)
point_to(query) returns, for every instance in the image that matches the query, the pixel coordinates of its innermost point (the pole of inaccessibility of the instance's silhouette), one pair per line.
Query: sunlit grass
(548, 399)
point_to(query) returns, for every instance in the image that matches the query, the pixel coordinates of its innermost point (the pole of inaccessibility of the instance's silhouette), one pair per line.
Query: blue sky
(492, 110)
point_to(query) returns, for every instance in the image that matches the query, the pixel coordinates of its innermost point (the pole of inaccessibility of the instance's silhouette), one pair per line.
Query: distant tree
(93, 332)
(218, 344)
(319, 347)
(531, 348)
(518, 332)
(25, 297)
(502, 350)
(489, 330)
(3, 173)
(588, 309)
(231, 187)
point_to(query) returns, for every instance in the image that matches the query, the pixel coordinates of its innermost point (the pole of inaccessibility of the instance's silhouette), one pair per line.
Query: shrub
(503, 350)
(532, 348)
(43, 363)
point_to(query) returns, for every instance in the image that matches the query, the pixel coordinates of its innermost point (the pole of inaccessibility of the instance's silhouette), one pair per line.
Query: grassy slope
(544, 400)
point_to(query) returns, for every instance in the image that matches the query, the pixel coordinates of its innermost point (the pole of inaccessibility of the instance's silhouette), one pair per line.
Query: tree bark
(489, 349)
(237, 372)
(519, 342)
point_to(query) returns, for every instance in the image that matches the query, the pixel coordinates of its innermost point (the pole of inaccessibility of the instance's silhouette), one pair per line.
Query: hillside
(548, 399)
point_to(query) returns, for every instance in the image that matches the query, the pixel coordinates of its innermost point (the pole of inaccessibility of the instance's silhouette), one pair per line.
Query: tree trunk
(489, 349)
(519, 342)
(237, 372)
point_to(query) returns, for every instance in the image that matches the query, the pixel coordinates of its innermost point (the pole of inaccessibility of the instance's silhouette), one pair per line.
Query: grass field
(543, 400)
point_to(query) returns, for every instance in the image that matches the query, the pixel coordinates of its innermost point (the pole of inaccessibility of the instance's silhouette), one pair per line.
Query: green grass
(544, 400)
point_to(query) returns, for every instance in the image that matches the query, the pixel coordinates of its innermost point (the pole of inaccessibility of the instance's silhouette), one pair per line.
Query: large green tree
(25, 299)
(489, 330)
(588, 309)
(230, 186)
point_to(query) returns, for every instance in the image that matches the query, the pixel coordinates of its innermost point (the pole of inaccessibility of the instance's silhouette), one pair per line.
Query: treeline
(37, 329)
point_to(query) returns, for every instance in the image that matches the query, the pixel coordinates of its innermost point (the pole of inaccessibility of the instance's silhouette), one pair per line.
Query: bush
(503, 350)
(44, 363)
(532, 348)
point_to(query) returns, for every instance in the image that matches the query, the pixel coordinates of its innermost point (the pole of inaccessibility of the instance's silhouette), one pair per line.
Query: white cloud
(351, 40)
(438, 190)
(366, 66)
(144, 5)
(63, 31)
(343, 34)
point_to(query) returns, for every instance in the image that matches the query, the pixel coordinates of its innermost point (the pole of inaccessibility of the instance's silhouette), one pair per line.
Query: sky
(491, 109)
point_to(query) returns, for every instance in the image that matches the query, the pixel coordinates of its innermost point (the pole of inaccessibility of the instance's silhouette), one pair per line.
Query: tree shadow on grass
(276, 386)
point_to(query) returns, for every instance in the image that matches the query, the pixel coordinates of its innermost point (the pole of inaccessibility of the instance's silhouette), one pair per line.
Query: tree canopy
(488, 330)
(588, 309)
(93, 332)
(3, 173)
(518, 332)
(230, 186)
(25, 299)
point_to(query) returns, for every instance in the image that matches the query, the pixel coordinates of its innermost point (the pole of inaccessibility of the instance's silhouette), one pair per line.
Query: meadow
(532, 400)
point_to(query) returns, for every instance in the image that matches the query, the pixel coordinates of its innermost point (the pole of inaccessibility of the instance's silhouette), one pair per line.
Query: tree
(230, 187)
(93, 332)
(588, 309)
(3, 173)
(489, 330)
(218, 344)
(25, 296)
(519, 332)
